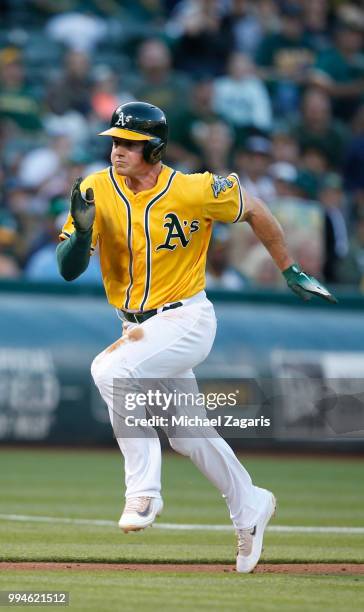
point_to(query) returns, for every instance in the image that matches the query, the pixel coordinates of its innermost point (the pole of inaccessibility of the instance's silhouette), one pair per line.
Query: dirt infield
(263, 568)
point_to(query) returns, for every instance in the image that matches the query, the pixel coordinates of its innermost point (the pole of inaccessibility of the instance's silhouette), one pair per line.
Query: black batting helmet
(141, 121)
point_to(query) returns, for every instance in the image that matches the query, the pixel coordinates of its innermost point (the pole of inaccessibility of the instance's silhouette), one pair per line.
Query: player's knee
(108, 376)
(96, 369)
(101, 373)
(181, 445)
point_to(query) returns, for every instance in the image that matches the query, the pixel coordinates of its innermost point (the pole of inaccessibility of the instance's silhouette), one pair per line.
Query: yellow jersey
(153, 244)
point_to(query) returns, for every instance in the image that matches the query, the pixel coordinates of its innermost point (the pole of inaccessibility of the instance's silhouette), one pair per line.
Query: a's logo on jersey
(123, 119)
(176, 232)
(220, 184)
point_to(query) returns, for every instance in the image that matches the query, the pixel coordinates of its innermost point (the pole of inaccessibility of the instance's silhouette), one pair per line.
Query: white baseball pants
(168, 346)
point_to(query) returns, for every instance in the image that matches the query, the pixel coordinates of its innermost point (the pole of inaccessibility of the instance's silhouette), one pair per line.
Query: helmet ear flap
(153, 150)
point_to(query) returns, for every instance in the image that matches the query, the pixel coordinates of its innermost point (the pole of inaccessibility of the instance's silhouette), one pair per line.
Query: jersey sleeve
(222, 198)
(68, 228)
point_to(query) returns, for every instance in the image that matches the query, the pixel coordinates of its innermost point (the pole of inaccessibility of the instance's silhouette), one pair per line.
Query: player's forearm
(73, 255)
(267, 229)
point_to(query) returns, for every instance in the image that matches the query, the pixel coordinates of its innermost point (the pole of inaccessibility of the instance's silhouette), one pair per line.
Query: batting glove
(305, 286)
(82, 210)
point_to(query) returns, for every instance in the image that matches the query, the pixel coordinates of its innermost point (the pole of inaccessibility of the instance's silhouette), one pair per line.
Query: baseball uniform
(153, 248)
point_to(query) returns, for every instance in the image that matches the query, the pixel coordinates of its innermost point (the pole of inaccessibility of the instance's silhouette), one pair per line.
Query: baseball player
(152, 225)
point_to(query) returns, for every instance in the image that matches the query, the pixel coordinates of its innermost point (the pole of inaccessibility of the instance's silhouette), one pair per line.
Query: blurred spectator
(51, 112)
(357, 204)
(72, 90)
(307, 184)
(284, 58)
(203, 45)
(67, 28)
(252, 165)
(157, 82)
(186, 126)
(315, 127)
(313, 165)
(44, 166)
(267, 12)
(42, 173)
(106, 93)
(58, 207)
(215, 144)
(17, 101)
(340, 69)
(37, 167)
(150, 12)
(18, 217)
(52, 199)
(71, 125)
(284, 176)
(8, 240)
(240, 97)
(244, 26)
(42, 265)
(8, 267)
(78, 164)
(220, 273)
(354, 158)
(284, 146)
(314, 160)
(332, 198)
(351, 269)
(316, 19)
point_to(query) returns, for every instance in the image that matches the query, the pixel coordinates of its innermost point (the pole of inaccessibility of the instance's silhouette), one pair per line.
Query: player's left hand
(82, 209)
(306, 286)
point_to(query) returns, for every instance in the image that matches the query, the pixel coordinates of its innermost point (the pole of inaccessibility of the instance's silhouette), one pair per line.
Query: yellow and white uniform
(153, 244)
(153, 248)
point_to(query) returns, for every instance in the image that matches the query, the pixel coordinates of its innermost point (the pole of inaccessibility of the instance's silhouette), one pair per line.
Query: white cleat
(250, 541)
(139, 513)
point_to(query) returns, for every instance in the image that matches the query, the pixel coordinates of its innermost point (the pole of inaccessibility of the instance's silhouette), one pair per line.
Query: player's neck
(144, 181)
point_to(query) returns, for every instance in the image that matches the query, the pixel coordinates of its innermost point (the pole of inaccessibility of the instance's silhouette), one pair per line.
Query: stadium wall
(301, 365)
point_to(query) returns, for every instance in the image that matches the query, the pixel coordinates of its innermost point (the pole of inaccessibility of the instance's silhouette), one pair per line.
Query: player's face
(127, 157)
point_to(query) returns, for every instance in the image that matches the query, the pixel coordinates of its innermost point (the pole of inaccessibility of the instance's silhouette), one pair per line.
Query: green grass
(63, 483)
(89, 485)
(104, 591)
(43, 542)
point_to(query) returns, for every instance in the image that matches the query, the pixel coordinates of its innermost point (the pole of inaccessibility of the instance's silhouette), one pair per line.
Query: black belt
(140, 317)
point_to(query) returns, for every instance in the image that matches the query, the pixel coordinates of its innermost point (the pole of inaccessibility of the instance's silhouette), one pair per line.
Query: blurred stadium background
(272, 90)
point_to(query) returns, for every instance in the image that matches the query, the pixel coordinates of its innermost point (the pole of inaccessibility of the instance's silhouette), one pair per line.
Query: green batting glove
(82, 210)
(304, 285)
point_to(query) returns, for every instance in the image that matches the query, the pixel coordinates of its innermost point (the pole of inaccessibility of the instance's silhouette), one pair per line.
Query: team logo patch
(176, 231)
(219, 184)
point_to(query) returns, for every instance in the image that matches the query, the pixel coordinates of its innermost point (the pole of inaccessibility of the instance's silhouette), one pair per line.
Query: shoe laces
(136, 504)
(245, 541)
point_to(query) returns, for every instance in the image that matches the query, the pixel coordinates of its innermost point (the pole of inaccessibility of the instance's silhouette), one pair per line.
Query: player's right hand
(82, 210)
